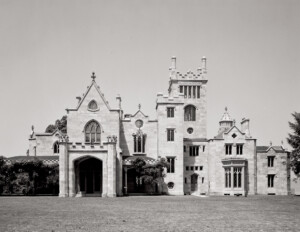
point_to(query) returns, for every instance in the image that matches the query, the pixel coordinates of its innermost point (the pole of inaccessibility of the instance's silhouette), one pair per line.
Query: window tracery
(93, 132)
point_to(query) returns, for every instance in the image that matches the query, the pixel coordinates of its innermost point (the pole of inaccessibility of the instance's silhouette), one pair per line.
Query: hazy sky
(48, 50)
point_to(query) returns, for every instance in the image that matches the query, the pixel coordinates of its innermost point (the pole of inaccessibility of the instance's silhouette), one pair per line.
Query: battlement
(165, 99)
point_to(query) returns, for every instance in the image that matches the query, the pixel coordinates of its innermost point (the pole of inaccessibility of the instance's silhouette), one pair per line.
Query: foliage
(150, 173)
(28, 178)
(59, 124)
(294, 140)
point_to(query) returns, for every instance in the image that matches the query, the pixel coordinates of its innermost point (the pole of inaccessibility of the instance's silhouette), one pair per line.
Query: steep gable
(92, 93)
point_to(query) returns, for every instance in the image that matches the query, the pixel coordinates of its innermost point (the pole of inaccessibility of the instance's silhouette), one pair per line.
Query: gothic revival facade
(96, 154)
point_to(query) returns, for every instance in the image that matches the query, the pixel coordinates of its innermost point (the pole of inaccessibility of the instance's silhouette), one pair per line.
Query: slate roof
(264, 149)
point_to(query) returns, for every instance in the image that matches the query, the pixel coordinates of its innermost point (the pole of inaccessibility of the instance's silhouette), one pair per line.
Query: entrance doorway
(134, 183)
(194, 182)
(89, 178)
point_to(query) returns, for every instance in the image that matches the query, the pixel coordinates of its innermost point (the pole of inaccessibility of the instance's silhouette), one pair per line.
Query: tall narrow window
(185, 91)
(139, 141)
(92, 132)
(198, 91)
(194, 150)
(181, 89)
(190, 91)
(239, 149)
(171, 161)
(194, 91)
(237, 177)
(228, 149)
(190, 113)
(170, 112)
(227, 177)
(170, 134)
(56, 147)
(271, 161)
(271, 181)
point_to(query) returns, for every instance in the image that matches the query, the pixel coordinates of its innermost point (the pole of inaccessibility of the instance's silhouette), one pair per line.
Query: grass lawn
(150, 213)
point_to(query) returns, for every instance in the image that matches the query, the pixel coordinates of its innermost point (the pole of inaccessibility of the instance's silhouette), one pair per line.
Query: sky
(48, 50)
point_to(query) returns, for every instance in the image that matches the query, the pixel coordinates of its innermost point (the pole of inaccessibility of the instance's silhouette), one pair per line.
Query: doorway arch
(89, 176)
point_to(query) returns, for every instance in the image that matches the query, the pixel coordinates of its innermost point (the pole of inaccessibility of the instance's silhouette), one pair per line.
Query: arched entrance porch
(89, 177)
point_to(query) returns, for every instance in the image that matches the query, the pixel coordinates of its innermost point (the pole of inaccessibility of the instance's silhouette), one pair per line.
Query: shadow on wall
(123, 141)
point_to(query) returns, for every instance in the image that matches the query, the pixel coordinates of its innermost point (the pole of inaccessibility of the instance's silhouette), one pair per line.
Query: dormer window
(93, 105)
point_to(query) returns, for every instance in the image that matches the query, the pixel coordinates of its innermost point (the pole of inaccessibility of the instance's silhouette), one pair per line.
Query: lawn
(153, 213)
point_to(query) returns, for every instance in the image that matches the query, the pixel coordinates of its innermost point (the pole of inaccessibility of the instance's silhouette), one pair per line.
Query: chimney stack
(245, 126)
(173, 62)
(203, 61)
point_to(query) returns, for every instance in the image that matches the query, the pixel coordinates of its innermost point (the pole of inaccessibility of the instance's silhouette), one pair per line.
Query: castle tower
(193, 87)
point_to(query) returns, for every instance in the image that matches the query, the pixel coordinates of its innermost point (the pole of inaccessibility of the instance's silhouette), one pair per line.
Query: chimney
(119, 100)
(203, 61)
(173, 63)
(245, 126)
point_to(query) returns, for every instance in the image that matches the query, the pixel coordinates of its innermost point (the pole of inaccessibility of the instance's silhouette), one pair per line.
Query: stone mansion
(95, 156)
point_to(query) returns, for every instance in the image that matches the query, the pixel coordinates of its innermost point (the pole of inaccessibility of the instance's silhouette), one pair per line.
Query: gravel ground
(151, 213)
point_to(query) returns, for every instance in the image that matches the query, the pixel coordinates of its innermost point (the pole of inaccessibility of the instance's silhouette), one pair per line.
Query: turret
(226, 122)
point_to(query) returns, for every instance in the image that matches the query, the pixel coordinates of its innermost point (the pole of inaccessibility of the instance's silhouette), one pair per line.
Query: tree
(294, 140)
(59, 124)
(151, 174)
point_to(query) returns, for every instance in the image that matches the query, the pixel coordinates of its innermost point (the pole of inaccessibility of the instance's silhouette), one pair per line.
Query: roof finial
(270, 143)
(139, 106)
(226, 108)
(93, 76)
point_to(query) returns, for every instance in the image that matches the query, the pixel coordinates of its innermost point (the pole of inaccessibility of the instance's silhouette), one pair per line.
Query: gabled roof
(93, 83)
(139, 111)
(265, 149)
(50, 134)
(230, 129)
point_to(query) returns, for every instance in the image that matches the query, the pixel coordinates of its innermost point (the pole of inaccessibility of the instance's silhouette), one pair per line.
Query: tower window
(171, 161)
(198, 91)
(185, 91)
(92, 132)
(194, 91)
(56, 147)
(181, 89)
(190, 113)
(170, 134)
(194, 150)
(170, 112)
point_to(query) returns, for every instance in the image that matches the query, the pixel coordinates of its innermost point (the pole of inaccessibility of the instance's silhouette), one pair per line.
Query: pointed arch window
(93, 132)
(56, 147)
(139, 139)
(190, 113)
